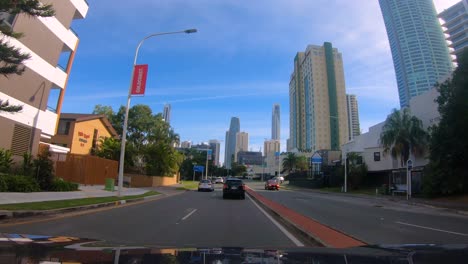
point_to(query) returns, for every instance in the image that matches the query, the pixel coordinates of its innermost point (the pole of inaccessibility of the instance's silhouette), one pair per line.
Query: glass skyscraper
(230, 144)
(420, 53)
(275, 122)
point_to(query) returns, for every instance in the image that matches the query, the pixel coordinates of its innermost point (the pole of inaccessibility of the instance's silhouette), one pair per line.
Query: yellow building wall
(83, 132)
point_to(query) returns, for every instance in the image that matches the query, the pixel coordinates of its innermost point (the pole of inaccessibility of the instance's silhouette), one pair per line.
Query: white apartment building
(368, 144)
(51, 44)
(456, 26)
(318, 112)
(270, 147)
(354, 128)
(242, 143)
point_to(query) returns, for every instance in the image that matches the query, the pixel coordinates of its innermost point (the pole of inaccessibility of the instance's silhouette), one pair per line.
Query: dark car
(234, 187)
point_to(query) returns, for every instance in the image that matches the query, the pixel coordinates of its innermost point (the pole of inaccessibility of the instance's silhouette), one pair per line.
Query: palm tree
(403, 134)
(290, 162)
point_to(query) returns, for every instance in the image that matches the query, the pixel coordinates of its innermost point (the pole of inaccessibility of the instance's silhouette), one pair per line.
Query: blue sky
(238, 64)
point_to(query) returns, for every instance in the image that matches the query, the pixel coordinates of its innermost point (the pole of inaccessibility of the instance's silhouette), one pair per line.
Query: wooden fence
(86, 169)
(138, 180)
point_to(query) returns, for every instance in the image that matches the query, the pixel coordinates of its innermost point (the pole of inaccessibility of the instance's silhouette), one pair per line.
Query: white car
(219, 180)
(205, 185)
(280, 179)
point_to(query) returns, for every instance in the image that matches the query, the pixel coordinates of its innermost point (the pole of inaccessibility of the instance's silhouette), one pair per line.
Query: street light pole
(124, 130)
(206, 171)
(345, 171)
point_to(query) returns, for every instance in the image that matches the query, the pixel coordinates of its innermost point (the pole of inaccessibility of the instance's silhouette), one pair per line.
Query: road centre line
(189, 214)
(430, 228)
(278, 225)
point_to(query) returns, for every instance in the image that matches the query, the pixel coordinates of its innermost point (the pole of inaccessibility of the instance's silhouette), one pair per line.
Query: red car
(272, 185)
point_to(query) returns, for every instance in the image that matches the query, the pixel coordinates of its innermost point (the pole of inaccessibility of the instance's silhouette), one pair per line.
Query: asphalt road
(191, 219)
(375, 221)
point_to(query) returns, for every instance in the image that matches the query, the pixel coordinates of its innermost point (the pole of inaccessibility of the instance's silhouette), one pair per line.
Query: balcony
(67, 36)
(47, 121)
(81, 8)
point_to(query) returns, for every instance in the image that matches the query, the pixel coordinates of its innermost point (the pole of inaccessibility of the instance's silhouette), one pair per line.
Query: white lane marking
(189, 214)
(433, 229)
(280, 227)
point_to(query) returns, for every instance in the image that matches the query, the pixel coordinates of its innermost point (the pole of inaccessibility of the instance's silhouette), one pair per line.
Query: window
(95, 138)
(376, 156)
(21, 139)
(63, 127)
(7, 18)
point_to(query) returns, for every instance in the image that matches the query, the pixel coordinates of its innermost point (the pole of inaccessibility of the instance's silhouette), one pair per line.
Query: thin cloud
(241, 89)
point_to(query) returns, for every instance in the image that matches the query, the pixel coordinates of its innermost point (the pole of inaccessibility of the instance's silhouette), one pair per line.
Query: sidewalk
(460, 207)
(85, 192)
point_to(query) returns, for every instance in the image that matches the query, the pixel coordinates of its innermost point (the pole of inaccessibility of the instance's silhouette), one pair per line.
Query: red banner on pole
(139, 79)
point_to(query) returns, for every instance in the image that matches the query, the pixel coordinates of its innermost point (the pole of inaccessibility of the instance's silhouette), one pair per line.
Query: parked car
(234, 187)
(272, 184)
(219, 180)
(205, 185)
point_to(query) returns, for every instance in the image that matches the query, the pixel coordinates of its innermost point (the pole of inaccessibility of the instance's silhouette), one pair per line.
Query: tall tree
(403, 134)
(290, 162)
(150, 141)
(104, 110)
(238, 169)
(11, 58)
(448, 167)
(302, 164)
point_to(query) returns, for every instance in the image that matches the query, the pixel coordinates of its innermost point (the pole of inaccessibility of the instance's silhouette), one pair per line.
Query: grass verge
(49, 205)
(188, 185)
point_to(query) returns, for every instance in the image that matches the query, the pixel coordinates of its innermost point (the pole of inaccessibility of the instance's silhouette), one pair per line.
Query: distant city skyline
(214, 74)
(419, 50)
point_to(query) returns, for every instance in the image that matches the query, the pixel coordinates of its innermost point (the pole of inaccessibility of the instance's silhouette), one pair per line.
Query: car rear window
(234, 182)
(205, 181)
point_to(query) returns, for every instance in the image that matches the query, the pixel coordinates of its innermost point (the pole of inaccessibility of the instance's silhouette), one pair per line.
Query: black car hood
(15, 248)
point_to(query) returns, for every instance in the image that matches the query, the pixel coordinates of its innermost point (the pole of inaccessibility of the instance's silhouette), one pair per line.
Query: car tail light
(225, 186)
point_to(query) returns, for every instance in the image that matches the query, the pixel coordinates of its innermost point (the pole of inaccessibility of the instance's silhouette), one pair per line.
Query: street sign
(316, 159)
(409, 164)
(208, 154)
(139, 79)
(198, 168)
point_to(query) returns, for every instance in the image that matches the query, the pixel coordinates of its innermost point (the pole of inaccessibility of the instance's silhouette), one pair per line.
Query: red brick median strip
(325, 235)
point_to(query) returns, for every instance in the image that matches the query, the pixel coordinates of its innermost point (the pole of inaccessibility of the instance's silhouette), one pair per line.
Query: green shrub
(20, 183)
(3, 184)
(44, 170)
(28, 166)
(59, 185)
(5, 160)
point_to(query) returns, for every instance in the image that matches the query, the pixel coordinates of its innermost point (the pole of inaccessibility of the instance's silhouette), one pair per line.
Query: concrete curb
(389, 199)
(309, 228)
(311, 239)
(5, 214)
